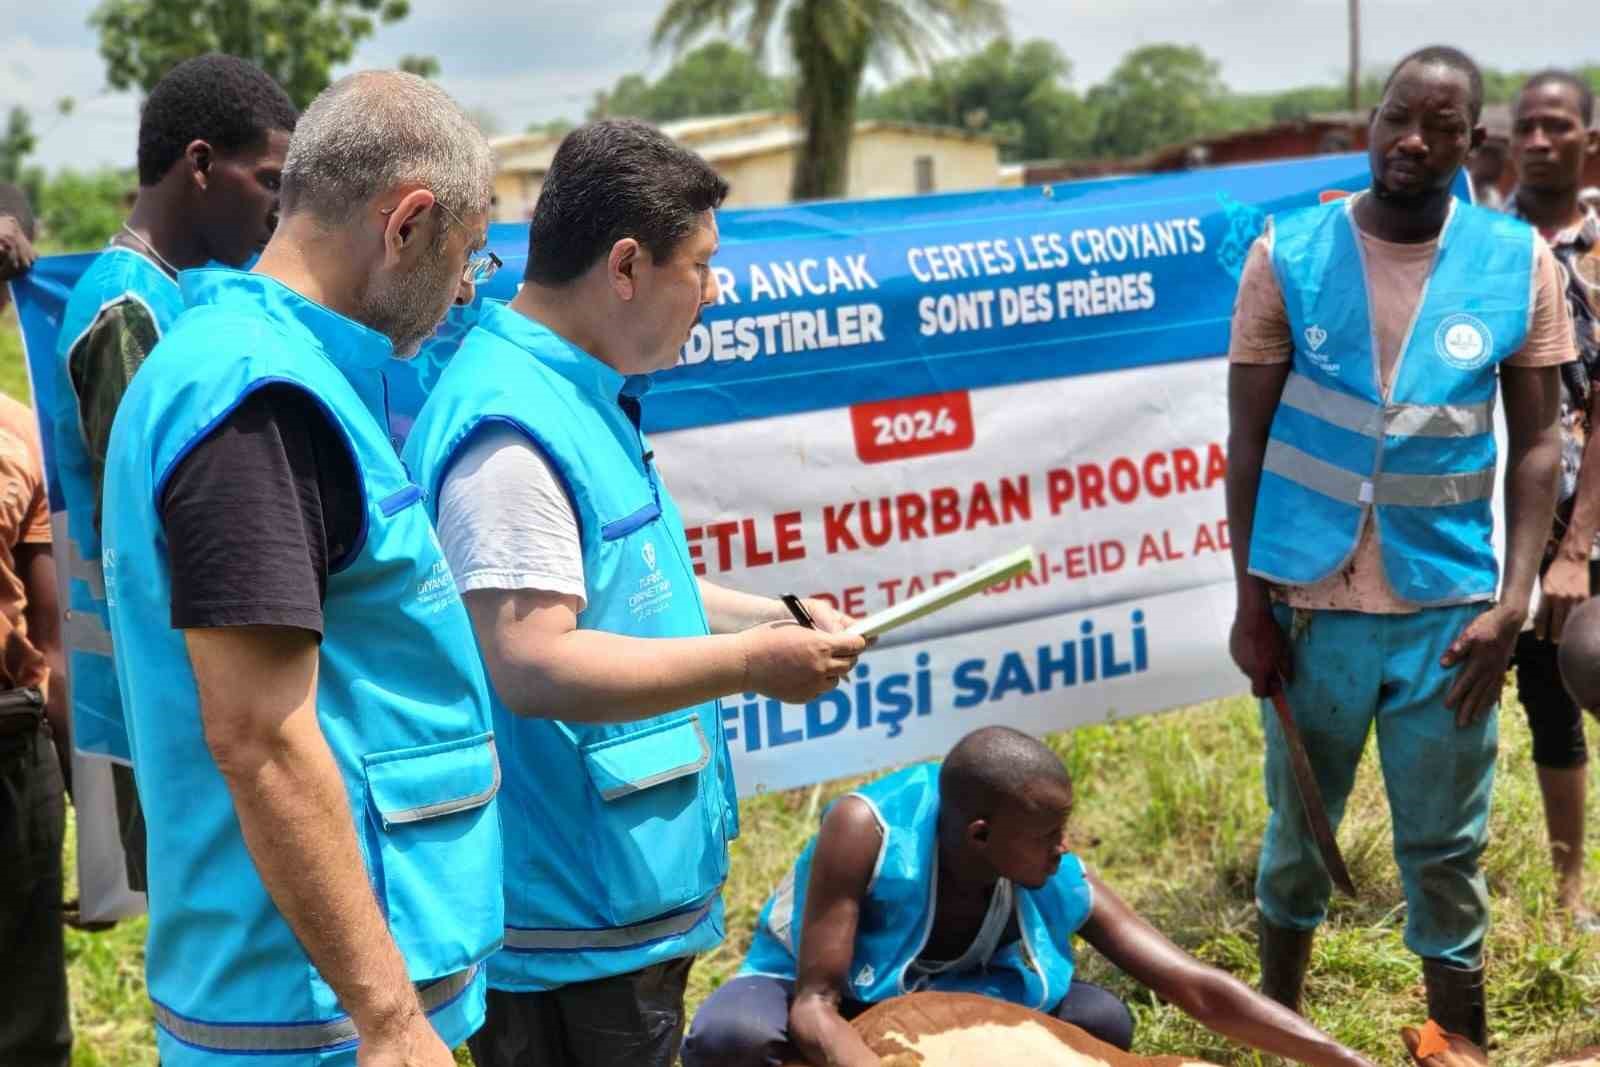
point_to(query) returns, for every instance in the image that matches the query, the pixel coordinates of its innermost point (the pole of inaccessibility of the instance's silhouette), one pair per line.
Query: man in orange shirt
(1369, 339)
(34, 1028)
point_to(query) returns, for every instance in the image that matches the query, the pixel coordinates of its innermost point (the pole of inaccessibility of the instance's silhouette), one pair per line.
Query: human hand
(1565, 585)
(1260, 649)
(16, 251)
(795, 664)
(1483, 651)
(828, 618)
(411, 1043)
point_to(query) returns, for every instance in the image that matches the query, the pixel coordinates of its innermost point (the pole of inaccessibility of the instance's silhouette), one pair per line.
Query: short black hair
(222, 100)
(1444, 55)
(1567, 79)
(14, 202)
(993, 766)
(613, 179)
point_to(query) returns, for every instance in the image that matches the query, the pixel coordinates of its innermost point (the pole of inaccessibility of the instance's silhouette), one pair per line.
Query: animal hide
(965, 1030)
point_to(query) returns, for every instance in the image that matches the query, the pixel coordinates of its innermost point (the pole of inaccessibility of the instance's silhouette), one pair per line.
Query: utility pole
(1355, 55)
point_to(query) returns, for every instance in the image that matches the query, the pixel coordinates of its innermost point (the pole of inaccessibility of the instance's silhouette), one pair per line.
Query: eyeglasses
(481, 266)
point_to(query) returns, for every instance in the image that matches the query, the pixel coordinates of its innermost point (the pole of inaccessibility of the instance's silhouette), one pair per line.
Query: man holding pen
(606, 655)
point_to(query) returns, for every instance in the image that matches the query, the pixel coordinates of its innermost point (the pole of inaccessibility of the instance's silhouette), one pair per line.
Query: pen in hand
(797, 608)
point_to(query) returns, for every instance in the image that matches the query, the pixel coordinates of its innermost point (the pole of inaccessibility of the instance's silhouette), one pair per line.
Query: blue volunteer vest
(1422, 460)
(897, 915)
(400, 697)
(617, 834)
(118, 275)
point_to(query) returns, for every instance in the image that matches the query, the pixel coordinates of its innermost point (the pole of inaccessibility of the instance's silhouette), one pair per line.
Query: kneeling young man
(957, 877)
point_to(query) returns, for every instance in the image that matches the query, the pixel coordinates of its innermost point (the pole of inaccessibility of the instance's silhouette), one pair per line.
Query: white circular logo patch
(1463, 342)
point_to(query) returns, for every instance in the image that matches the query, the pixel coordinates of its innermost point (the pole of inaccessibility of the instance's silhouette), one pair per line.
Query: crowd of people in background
(421, 747)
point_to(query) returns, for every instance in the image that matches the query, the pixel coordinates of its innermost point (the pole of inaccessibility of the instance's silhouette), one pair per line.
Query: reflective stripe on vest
(84, 631)
(400, 817)
(638, 785)
(615, 937)
(296, 1037)
(1401, 490)
(1399, 420)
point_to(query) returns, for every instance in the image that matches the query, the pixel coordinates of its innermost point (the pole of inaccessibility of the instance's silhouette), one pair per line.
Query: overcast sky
(527, 60)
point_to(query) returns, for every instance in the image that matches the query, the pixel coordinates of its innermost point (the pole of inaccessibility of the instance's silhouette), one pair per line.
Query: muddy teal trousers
(1355, 673)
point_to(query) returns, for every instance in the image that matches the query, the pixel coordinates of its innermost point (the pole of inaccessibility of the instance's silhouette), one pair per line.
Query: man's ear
(198, 155)
(622, 265)
(403, 222)
(1480, 134)
(1591, 142)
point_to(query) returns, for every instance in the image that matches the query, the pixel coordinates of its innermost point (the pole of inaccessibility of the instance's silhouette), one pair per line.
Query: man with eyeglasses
(607, 655)
(307, 714)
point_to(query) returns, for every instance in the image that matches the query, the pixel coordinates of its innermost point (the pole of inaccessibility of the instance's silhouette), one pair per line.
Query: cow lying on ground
(1435, 1047)
(966, 1030)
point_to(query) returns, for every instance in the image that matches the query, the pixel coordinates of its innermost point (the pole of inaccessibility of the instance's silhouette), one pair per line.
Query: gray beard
(410, 309)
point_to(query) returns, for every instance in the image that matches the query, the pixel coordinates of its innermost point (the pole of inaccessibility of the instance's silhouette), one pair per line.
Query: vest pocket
(657, 838)
(437, 862)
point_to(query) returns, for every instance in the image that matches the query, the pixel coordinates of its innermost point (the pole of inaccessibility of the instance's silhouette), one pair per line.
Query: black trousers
(634, 1019)
(1554, 719)
(35, 1030)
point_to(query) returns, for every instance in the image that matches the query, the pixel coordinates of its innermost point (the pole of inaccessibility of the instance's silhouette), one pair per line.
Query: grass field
(1170, 811)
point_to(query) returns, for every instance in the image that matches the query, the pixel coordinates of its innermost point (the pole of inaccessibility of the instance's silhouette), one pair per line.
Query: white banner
(1116, 479)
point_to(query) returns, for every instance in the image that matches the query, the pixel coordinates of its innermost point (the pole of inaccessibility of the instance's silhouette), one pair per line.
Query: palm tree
(831, 42)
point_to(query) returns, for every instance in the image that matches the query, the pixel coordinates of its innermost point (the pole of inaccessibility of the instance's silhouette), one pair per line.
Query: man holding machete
(1367, 340)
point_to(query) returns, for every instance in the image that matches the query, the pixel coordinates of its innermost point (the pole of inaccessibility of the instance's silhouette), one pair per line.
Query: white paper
(1018, 561)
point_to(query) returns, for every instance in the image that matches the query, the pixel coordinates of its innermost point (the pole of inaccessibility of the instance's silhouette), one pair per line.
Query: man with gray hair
(307, 714)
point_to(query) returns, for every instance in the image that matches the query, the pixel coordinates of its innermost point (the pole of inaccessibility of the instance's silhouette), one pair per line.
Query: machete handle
(1311, 803)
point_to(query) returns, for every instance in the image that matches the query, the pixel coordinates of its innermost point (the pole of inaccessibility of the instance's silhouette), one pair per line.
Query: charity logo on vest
(1463, 342)
(1315, 337)
(654, 593)
(437, 591)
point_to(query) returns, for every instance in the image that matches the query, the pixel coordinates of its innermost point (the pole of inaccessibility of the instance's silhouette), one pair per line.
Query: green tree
(1018, 93)
(718, 78)
(421, 66)
(15, 144)
(1158, 95)
(551, 128)
(830, 45)
(80, 210)
(298, 42)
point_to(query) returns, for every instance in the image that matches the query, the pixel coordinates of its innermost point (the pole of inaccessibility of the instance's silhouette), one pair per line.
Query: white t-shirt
(505, 521)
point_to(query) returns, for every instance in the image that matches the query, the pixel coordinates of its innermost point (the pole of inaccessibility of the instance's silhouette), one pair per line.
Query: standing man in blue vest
(307, 714)
(212, 137)
(1369, 340)
(605, 653)
(958, 877)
